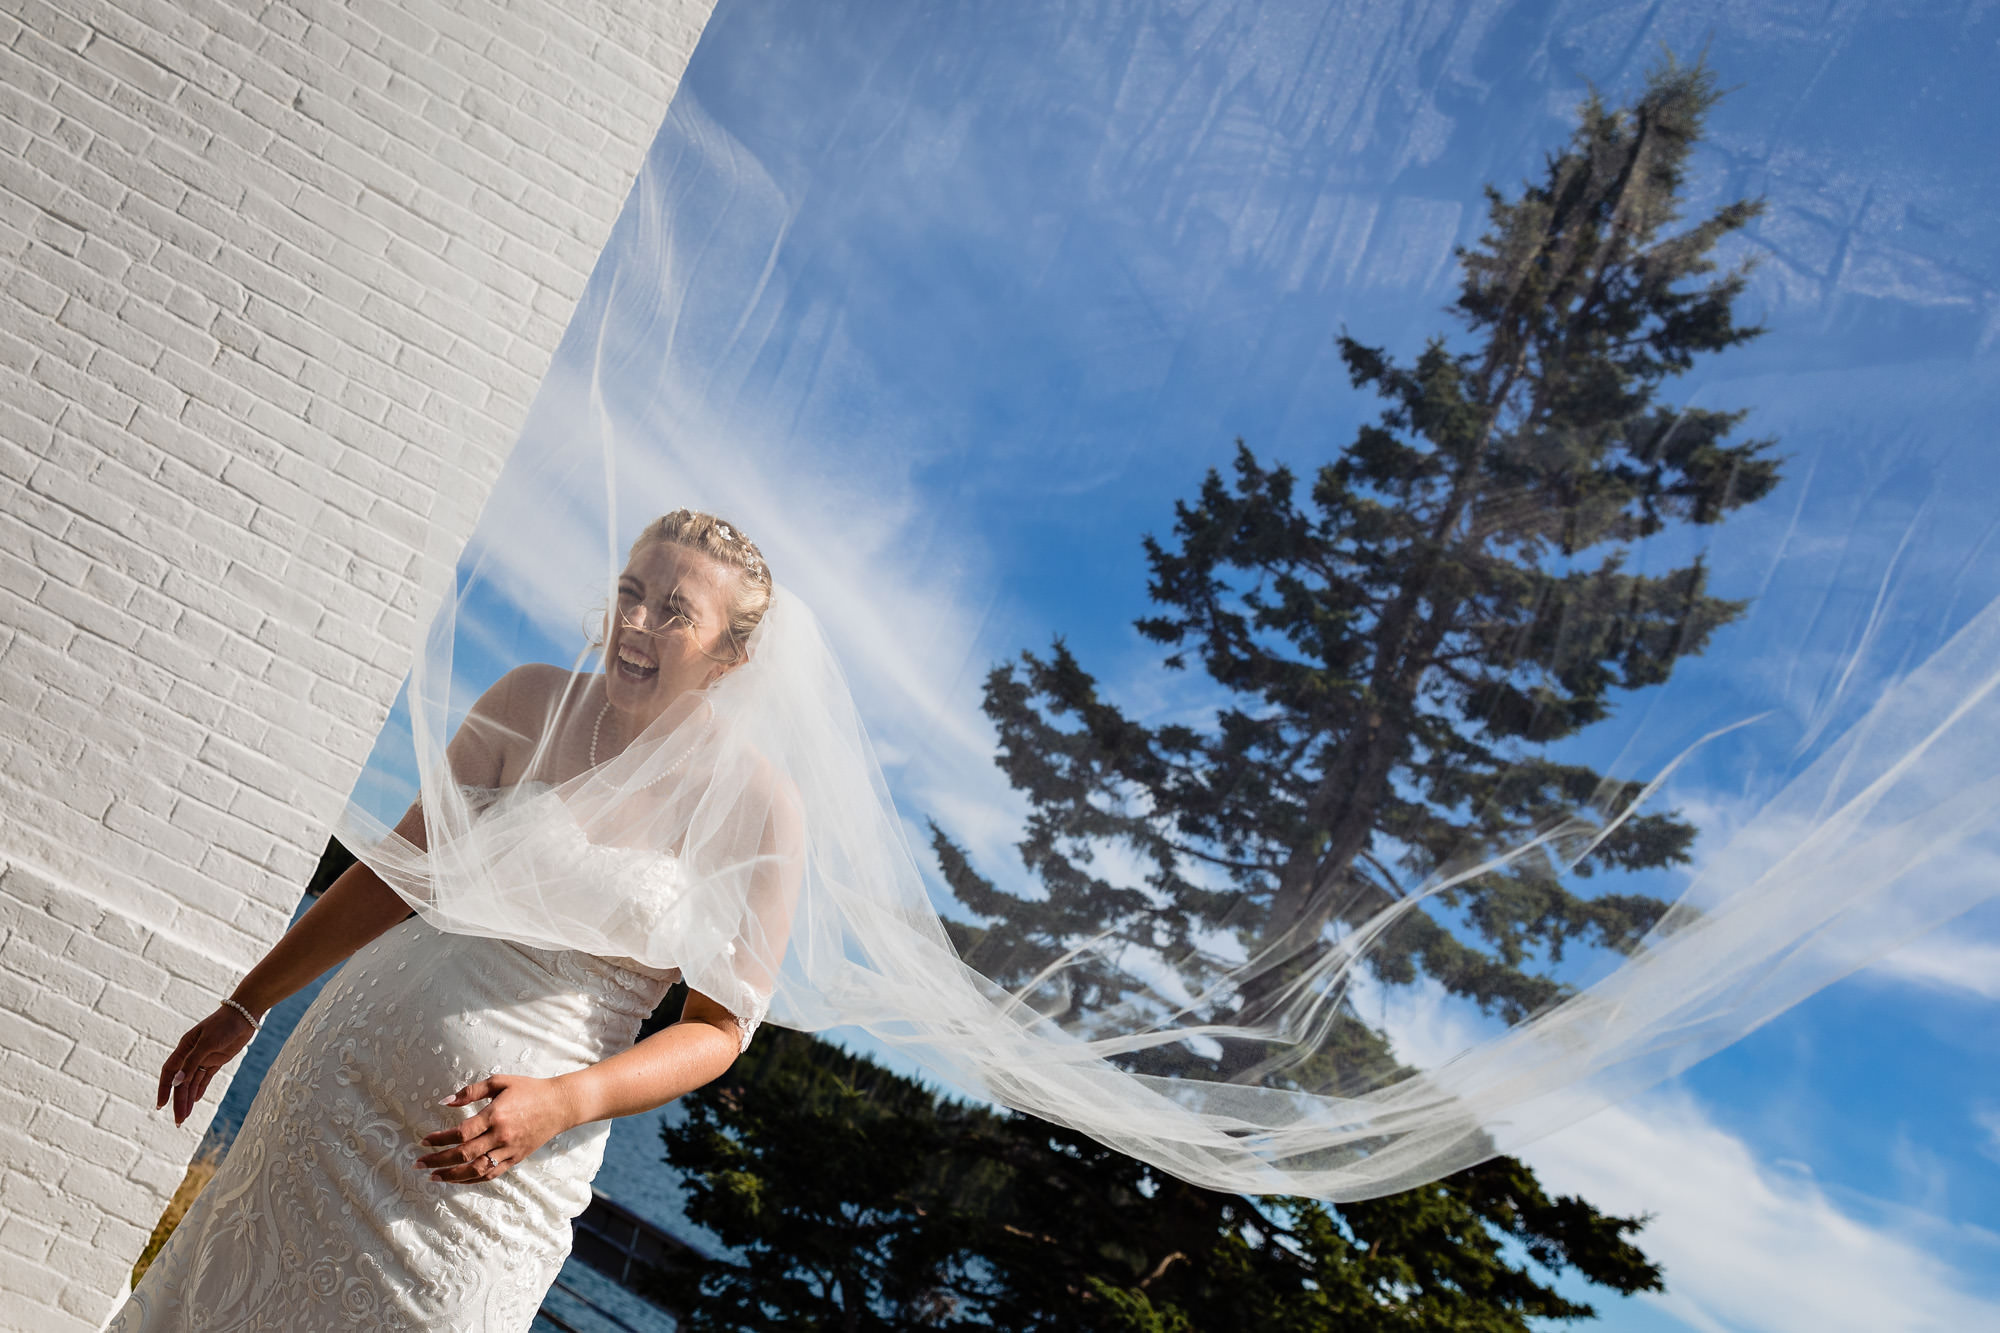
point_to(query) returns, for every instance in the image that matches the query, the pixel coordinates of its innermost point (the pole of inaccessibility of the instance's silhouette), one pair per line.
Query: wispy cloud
(1751, 1247)
(1988, 1122)
(1945, 962)
(1750, 1243)
(785, 408)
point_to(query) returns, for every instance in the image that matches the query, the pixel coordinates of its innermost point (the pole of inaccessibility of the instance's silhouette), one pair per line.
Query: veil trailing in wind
(904, 331)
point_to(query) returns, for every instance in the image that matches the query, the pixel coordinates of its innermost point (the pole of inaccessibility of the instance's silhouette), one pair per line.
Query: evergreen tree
(1399, 640)
(860, 1201)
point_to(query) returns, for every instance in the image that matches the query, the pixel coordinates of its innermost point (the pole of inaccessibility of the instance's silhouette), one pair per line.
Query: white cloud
(1944, 962)
(1988, 1122)
(1749, 1246)
(835, 500)
(655, 402)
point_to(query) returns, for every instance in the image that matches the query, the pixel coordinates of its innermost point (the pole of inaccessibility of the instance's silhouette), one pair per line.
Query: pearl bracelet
(248, 1017)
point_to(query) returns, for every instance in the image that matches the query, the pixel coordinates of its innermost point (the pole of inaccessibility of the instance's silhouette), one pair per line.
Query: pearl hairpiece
(745, 552)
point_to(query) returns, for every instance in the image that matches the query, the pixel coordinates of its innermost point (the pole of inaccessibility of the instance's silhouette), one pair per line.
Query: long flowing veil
(729, 357)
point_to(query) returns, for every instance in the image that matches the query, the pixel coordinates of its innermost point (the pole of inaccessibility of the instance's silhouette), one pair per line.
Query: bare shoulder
(525, 694)
(538, 680)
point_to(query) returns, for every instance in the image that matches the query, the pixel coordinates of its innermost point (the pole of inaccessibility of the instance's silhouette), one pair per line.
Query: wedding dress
(318, 1219)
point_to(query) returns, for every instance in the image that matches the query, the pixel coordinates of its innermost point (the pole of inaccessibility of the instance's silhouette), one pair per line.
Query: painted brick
(98, 1158)
(156, 1174)
(44, 1046)
(36, 1169)
(64, 1106)
(273, 275)
(28, 1281)
(29, 1240)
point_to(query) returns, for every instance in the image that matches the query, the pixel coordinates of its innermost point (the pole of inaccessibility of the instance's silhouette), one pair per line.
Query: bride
(708, 808)
(415, 1155)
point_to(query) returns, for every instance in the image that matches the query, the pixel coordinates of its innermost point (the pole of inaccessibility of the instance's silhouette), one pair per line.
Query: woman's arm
(524, 1113)
(674, 1061)
(355, 908)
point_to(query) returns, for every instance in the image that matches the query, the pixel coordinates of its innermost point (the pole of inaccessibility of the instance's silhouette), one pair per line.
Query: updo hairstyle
(724, 543)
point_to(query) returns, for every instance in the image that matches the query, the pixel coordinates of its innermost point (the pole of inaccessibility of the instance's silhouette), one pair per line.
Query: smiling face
(669, 631)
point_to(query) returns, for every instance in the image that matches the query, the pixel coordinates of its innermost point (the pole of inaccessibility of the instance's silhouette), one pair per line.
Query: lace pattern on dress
(653, 904)
(317, 1221)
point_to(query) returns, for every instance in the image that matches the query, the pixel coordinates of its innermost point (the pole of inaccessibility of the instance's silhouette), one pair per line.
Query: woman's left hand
(522, 1114)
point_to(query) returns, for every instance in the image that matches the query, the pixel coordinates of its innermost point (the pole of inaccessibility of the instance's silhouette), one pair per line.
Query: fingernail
(449, 1100)
(179, 1079)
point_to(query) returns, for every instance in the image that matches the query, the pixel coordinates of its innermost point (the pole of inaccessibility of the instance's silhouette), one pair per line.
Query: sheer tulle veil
(799, 893)
(801, 897)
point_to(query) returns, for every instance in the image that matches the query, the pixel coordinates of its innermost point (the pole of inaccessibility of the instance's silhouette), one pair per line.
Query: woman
(709, 807)
(418, 1149)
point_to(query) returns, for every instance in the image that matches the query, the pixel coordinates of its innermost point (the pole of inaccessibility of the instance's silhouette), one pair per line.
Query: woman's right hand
(207, 1047)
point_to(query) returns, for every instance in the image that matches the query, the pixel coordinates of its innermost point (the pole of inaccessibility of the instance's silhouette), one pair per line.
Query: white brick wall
(277, 281)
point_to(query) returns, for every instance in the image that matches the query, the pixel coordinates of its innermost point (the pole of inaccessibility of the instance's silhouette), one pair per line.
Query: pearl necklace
(598, 726)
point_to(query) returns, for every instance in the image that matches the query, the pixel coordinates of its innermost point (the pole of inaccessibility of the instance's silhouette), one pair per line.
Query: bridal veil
(1105, 217)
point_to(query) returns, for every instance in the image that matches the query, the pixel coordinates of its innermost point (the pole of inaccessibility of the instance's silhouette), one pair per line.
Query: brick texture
(277, 282)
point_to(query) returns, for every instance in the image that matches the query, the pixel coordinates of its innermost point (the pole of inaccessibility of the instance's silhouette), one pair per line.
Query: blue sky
(948, 303)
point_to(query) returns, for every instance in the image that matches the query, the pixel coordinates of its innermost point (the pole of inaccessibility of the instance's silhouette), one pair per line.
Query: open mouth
(634, 666)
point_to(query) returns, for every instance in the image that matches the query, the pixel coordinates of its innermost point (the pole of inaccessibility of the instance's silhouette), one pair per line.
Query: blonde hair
(724, 543)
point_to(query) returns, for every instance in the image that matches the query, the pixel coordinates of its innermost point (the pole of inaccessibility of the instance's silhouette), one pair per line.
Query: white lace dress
(317, 1219)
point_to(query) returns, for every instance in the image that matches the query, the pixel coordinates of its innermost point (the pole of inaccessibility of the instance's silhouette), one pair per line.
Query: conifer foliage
(1399, 637)
(1397, 641)
(860, 1201)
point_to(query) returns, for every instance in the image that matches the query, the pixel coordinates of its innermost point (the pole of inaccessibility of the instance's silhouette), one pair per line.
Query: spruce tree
(855, 1199)
(1398, 639)
(1397, 642)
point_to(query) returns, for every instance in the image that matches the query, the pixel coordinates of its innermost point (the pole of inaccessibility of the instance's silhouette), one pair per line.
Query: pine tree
(1400, 640)
(859, 1200)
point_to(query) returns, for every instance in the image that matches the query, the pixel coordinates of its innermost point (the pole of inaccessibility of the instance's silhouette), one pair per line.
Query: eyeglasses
(673, 621)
